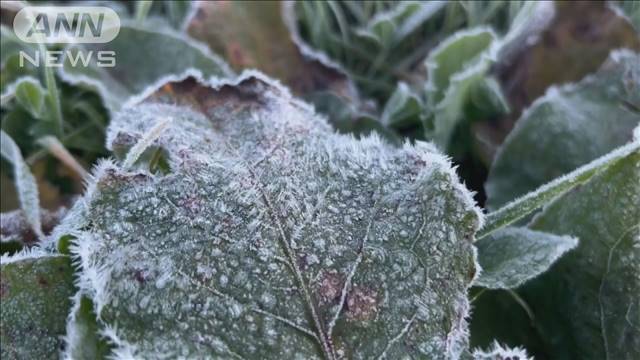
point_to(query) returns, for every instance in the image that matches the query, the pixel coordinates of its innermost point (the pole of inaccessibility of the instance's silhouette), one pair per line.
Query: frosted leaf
(499, 352)
(591, 305)
(456, 69)
(24, 181)
(28, 92)
(35, 291)
(511, 256)
(530, 202)
(403, 107)
(273, 237)
(580, 121)
(144, 58)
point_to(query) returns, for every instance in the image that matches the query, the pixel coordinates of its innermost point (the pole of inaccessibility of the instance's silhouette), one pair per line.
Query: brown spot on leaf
(362, 304)
(331, 284)
(42, 281)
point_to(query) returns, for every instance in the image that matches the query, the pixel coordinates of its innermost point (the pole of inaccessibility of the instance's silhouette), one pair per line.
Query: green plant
(233, 220)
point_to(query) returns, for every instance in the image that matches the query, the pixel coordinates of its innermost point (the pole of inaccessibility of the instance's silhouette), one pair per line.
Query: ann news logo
(67, 25)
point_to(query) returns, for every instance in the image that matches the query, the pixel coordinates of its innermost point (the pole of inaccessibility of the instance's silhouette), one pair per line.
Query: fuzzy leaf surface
(35, 298)
(511, 256)
(274, 237)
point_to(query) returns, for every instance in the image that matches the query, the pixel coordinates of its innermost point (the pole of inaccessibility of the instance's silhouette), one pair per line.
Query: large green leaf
(587, 305)
(273, 237)
(568, 127)
(511, 256)
(144, 58)
(35, 295)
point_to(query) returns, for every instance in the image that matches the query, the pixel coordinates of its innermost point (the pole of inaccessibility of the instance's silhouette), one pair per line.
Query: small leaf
(306, 243)
(454, 68)
(580, 121)
(144, 58)
(147, 139)
(403, 108)
(30, 95)
(35, 296)
(25, 182)
(512, 256)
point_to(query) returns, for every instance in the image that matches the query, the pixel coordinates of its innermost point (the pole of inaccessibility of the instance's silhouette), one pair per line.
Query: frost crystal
(273, 236)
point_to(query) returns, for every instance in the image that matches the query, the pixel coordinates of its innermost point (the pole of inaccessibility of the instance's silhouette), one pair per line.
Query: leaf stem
(53, 94)
(526, 204)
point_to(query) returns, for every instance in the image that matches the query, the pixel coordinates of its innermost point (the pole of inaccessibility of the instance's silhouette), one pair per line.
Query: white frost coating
(24, 181)
(499, 352)
(73, 337)
(258, 224)
(122, 350)
(143, 144)
(24, 254)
